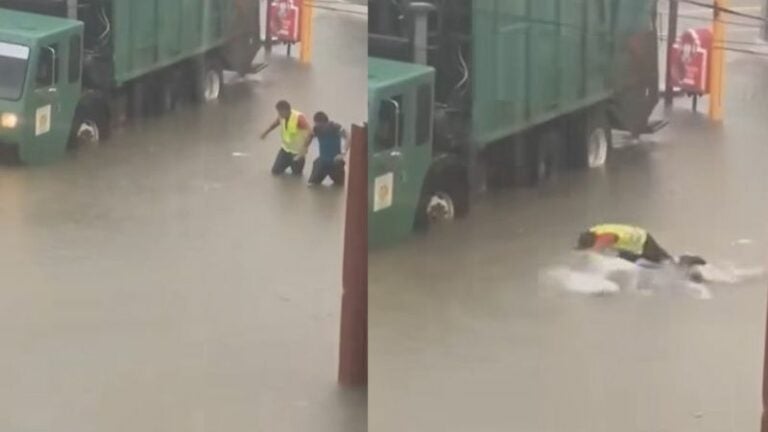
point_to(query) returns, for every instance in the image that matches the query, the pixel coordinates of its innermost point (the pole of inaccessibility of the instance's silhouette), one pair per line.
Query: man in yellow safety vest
(294, 130)
(633, 243)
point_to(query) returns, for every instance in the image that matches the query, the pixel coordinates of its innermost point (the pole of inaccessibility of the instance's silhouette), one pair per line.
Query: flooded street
(167, 282)
(464, 338)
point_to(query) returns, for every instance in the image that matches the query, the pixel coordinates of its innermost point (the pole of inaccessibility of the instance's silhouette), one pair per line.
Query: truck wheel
(91, 126)
(544, 157)
(444, 199)
(598, 146)
(209, 82)
(593, 147)
(168, 94)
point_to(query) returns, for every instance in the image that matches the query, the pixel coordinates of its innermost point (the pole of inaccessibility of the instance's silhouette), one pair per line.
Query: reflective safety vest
(630, 239)
(293, 138)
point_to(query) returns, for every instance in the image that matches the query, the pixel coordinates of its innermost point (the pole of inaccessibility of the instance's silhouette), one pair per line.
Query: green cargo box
(536, 60)
(151, 34)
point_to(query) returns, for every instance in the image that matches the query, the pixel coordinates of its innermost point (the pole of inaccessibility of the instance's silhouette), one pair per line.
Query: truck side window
(47, 72)
(388, 123)
(423, 114)
(75, 57)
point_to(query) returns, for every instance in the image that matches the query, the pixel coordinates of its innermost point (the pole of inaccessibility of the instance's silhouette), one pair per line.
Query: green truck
(466, 95)
(71, 69)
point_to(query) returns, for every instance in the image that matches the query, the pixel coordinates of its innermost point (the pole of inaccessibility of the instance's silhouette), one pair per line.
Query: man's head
(321, 119)
(283, 109)
(586, 240)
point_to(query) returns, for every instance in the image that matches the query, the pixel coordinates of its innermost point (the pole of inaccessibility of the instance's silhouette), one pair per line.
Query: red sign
(690, 61)
(284, 20)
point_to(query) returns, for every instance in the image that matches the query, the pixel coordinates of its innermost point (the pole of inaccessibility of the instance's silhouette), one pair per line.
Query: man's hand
(271, 127)
(339, 157)
(298, 157)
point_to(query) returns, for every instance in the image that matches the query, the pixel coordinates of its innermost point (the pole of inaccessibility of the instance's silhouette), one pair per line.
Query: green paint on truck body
(532, 61)
(152, 34)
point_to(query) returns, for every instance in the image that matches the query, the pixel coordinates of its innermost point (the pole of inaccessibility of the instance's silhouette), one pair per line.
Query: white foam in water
(593, 274)
(579, 282)
(698, 291)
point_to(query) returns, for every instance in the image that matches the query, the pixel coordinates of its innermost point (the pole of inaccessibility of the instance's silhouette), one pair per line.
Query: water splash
(596, 274)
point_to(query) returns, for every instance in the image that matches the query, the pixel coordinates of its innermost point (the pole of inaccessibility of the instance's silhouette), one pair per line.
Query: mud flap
(242, 48)
(638, 88)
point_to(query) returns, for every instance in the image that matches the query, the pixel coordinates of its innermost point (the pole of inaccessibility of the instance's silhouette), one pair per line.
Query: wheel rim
(440, 208)
(212, 85)
(88, 133)
(597, 148)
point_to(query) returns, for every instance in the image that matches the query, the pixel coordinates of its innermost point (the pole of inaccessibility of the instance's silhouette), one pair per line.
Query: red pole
(353, 347)
(764, 421)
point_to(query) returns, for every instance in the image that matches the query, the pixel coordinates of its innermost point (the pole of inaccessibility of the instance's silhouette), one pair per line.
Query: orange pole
(353, 346)
(717, 63)
(307, 11)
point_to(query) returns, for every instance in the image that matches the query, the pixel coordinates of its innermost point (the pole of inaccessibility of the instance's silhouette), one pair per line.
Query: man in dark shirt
(330, 162)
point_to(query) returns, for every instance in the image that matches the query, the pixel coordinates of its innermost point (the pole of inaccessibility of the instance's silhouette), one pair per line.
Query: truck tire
(444, 198)
(167, 97)
(544, 157)
(91, 125)
(169, 91)
(592, 149)
(209, 81)
(501, 170)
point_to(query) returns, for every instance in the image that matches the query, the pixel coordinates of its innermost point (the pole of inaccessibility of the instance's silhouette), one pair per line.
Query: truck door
(401, 135)
(56, 87)
(44, 107)
(388, 217)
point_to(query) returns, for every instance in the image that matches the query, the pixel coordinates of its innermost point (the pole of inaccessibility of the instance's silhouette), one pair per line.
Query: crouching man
(333, 146)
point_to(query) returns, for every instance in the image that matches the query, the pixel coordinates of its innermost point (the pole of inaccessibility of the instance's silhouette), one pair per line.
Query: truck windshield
(13, 70)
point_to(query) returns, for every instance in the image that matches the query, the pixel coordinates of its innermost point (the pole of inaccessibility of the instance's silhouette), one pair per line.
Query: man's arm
(271, 127)
(303, 124)
(307, 143)
(345, 146)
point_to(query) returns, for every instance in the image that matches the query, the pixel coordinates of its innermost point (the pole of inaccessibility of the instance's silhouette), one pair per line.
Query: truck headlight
(9, 120)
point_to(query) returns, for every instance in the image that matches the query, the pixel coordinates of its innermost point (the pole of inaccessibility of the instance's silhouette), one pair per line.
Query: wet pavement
(464, 338)
(166, 282)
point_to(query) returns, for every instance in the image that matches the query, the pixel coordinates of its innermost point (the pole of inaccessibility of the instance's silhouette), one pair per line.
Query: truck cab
(40, 83)
(400, 111)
